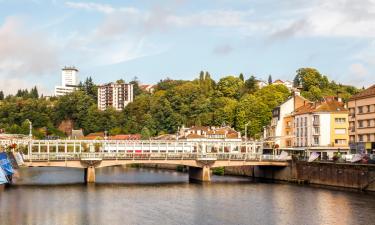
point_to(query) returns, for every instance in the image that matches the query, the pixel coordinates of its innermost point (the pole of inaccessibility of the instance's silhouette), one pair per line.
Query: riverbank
(339, 175)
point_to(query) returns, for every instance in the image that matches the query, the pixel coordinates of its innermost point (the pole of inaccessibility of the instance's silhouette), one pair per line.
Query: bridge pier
(90, 174)
(200, 174)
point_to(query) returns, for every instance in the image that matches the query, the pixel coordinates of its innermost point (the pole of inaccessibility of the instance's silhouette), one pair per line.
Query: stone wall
(361, 177)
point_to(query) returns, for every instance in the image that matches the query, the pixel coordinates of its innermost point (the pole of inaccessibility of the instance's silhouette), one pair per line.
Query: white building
(116, 95)
(322, 127)
(287, 83)
(273, 133)
(69, 81)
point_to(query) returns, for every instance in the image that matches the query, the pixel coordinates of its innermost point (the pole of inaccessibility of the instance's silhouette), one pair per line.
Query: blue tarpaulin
(3, 179)
(6, 164)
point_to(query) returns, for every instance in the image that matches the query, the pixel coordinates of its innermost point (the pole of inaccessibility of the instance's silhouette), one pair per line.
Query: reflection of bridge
(198, 156)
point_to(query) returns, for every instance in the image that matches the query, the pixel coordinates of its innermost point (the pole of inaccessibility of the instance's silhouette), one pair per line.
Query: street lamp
(247, 124)
(30, 128)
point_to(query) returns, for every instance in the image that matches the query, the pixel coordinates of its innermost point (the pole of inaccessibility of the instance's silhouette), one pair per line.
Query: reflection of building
(280, 127)
(116, 95)
(362, 121)
(322, 127)
(69, 81)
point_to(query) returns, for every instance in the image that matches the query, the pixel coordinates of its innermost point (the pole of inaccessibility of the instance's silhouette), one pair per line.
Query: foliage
(218, 171)
(315, 85)
(231, 101)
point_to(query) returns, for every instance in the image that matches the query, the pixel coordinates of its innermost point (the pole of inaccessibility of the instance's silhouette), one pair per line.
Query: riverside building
(69, 81)
(362, 121)
(322, 127)
(116, 95)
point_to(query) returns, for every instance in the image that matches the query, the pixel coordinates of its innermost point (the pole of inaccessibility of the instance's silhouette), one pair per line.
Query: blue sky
(152, 40)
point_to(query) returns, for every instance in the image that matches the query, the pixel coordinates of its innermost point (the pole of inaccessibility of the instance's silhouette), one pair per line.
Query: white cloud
(104, 8)
(24, 52)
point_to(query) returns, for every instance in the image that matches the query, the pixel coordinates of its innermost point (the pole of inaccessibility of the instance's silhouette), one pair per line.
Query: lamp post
(247, 124)
(30, 135)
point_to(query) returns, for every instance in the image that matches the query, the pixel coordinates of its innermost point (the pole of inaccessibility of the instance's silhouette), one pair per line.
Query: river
(152, 196)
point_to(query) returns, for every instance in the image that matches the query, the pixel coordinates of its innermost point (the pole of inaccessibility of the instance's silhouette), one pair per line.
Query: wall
(360, 177)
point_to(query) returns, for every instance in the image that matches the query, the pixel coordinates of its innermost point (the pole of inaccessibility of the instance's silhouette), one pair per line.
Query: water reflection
(147, 196)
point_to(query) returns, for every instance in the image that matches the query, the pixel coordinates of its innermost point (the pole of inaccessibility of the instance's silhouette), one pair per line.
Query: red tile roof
(369, 92)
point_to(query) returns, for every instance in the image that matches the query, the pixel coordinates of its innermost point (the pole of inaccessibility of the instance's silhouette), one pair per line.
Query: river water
(152, 196)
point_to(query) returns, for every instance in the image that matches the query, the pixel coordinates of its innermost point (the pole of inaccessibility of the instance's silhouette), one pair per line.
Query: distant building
(261, 84)
(322, 127)
(116, 95)
(150, 88)
(69, 81)
(202, 133)
(287, 83)
(362, 121)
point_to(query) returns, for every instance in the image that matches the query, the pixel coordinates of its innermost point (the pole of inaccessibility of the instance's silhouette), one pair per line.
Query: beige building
(322, 127)
(116, 95)
(362, 121)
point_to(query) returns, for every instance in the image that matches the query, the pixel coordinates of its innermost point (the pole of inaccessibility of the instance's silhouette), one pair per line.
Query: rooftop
(369, 92)
(329, 104)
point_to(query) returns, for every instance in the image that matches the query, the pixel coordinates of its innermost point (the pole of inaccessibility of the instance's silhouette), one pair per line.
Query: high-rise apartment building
(116, 95)
(69, 81)
(362, 121)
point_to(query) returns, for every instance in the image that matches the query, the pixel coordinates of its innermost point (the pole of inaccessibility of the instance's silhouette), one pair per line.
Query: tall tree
(34, 92)
(136, 89)
(242, 77)
(270, 79)
(1, 95)
(251, 84)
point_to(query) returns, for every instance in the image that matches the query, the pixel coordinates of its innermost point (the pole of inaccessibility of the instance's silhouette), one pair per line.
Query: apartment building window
(360, 123)
(340, 120)
(360, 109)
(306, 132)
(340, 131)
(360, 138)
(316, 130)
(305, 121)
(340, 141)
(316, 120)
(316, 140)
(368, 137)
(297, 122)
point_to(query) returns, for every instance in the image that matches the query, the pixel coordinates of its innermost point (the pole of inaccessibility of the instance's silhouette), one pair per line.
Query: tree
(230, 86)
(270, 79)
(242, 77)
(145, 133)
(90, 88)
(251, 84)
(136, 89)
(297, 81)
(34, 93)
(1, 95)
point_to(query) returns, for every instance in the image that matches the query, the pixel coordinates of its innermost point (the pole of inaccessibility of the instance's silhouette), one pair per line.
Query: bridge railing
(150, 156)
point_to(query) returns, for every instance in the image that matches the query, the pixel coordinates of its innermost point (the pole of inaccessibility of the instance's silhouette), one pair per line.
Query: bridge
(198, 156)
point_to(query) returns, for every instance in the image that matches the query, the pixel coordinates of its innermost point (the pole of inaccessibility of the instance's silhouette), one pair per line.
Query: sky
(153, 40)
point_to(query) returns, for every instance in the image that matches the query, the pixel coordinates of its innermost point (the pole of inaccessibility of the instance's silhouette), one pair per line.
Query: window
(316, 130)
(360, 137)
(360, 124)
(316, 140)
(360, 109)
(306, 132)
(368, 137)
(340, 131)
(340, 141)
(305, 121)
(340, 120)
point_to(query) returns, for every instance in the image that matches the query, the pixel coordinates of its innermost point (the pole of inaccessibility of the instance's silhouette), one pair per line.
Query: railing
(149, 156)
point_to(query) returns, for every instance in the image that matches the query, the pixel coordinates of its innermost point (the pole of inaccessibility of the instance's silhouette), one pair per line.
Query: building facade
(362, 121)
(276, 133)
(69, 81)
(322, 127)
(115, 95)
